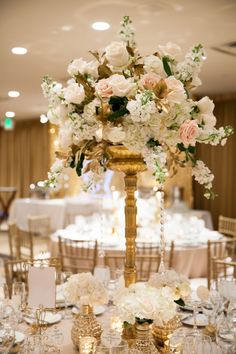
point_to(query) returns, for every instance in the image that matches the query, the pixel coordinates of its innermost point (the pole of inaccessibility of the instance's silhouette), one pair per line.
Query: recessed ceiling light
(43, 118)
(66, 28)
(10, 114)
(13, 93)
(100, 26)
(19, 50)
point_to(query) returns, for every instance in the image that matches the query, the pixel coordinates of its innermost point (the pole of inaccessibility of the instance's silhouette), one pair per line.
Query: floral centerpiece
(141, 102)
(177, 282)
(85, 289)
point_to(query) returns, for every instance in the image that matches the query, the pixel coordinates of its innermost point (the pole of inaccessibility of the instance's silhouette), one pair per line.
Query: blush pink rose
(188, 132)
(103, 88)
(150, 80)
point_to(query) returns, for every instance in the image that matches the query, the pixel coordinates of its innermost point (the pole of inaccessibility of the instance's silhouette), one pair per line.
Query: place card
(42, 287)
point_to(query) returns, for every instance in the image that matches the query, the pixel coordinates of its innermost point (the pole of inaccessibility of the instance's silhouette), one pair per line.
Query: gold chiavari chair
(148, 259)
(219, 250)
(77, 255)
(20, 242)
(17, 270)
(223, 270)
(39, 225)
(13, 241)
(227, 226)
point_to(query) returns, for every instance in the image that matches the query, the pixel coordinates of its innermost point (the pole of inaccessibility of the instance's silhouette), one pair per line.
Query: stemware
(197, 344)
(102, 273)
(7, 338)
(121, 348)
(64, 278)
(4, 292)
(18, 298)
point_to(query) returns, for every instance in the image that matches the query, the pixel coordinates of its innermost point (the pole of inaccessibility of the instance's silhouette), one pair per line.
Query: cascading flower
(140, 102)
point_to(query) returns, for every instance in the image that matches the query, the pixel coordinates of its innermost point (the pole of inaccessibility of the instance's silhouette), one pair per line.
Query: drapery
(222, 162)
(24, 155)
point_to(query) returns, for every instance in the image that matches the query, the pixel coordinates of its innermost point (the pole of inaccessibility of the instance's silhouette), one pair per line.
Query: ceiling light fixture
(10, 114)
(13, 93)
(43, 119)
(100, 26)
(19, 50)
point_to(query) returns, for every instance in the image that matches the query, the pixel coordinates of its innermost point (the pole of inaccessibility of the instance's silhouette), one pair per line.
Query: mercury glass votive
(87, 345)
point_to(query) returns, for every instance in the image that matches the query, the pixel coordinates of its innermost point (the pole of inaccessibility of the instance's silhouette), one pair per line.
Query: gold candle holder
(87, 345)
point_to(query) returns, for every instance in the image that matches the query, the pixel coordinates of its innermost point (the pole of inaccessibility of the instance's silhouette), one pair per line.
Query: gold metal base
(123, 160)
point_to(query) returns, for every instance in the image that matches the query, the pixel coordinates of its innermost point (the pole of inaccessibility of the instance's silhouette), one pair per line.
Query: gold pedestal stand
(123, 160)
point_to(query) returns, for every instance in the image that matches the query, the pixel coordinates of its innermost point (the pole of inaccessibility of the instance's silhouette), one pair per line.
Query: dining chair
(223, 270)
(17, 270)
(20, 242)
(148, 259)
(39, 226)
(227, 226)
(224, 250)
(77, 256)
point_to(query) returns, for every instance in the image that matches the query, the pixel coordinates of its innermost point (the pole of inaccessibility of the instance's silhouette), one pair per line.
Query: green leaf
(72, 164)
(152, 143)
(166, 66)
(181, 147)
(117, 114)
(143, 320)
(180, 302)
(80, 165)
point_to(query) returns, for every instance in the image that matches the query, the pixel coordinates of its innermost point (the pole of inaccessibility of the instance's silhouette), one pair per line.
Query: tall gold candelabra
(123, 160)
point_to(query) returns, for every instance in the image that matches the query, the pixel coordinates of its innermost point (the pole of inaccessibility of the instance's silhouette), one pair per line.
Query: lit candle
(87, 345)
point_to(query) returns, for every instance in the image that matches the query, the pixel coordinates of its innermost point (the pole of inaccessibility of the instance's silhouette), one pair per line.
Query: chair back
(77, 255)
(227, 226)
(219, 250)
(13, 241)
(17, 270)
(223, 270)
(25, 244)
(116, 263)
(39, 225)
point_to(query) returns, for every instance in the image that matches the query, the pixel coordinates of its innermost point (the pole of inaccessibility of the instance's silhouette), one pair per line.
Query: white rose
(154, 64)
(171, 50)
(74, 93)
(114, 134)
(82, 67)
(120, 85)
(57, 114)
(116, 54)
(206, 105)
(177, 93)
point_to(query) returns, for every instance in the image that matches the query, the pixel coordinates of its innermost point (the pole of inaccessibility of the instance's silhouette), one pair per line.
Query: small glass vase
(143, 341)
(85, 325)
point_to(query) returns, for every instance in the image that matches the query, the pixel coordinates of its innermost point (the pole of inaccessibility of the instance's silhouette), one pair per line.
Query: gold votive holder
(87, 345)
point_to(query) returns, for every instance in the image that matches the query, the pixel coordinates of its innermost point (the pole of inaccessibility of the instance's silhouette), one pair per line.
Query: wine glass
(64, 278)
(102, 273)
(18, 297)
(7, 338)
(4, 292)
(197, 344)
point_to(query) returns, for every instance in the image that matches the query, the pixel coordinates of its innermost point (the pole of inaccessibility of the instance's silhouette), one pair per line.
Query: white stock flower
(65, 135)
(58, 114)
(83, 67)
(117, 54)
(121, 86)
(141, 108)
(114, 134)
(57, 166)
(202, 174)
(209, 120)
(177, 93)
(170, 50)
(74, 93)
(154, 64)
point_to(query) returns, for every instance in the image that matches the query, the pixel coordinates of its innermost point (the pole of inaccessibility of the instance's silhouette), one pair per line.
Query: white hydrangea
(83, 67)
(142, 107)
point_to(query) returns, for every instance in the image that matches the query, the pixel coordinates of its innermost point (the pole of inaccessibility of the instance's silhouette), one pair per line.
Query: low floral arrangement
(141, 303)
(85, 289)
(140, 102)
(178, 283)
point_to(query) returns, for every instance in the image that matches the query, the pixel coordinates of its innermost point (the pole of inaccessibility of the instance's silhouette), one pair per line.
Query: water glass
(18, 298)
(197, 344)
(4, 292)
(102, 273)
(7, 338)
(64, 278)
(121, 348)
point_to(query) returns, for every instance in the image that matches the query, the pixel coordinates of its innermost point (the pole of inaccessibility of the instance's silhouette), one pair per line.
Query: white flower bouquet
(142, 303)
(85, 289)
(178, 283)
(140, 102)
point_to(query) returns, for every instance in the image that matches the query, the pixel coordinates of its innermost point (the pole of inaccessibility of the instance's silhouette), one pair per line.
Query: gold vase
(143, 339)
(123, 160)
(85, 324)
(161, 333)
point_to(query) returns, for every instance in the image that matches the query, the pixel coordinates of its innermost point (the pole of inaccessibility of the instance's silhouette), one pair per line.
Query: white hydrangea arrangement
(177, 282)
(141, 303)
(85, 289)
(140, 102)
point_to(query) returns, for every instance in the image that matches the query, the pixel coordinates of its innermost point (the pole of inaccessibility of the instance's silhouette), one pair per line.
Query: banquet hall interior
(139, 222)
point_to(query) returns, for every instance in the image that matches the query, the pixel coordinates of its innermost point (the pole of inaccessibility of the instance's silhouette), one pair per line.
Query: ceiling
(56, 31)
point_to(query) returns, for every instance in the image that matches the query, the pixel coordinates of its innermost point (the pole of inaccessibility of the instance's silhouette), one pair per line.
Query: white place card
(42, 287)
